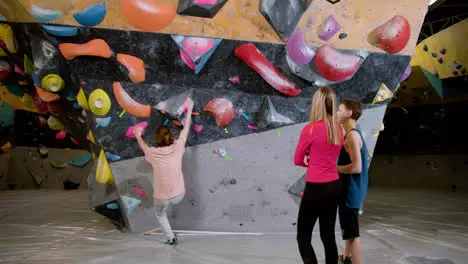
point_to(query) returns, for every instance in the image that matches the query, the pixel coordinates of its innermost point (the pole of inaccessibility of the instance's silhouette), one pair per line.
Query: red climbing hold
(335, 66)
(249, 53)
(393, 36)
(222, 110)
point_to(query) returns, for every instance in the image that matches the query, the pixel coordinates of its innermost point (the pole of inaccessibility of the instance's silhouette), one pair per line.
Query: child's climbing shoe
(345, 260)
(172, 242)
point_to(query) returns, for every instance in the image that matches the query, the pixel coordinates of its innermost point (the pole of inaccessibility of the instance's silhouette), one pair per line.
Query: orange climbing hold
(147, 15)
(222, 110)
(135, 67)
(128, 104)
(95, 47)
(46, 96)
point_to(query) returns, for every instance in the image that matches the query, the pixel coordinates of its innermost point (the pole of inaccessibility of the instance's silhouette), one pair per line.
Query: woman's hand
(138, 132)
(306, 160)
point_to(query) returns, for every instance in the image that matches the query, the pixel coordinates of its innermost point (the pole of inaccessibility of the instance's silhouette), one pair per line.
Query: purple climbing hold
(440, 60)
(443, 51)
(455, 72)
(329, 28)
(298, 50)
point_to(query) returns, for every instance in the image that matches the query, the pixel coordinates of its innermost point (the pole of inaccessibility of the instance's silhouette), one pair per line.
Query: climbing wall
(251, 100)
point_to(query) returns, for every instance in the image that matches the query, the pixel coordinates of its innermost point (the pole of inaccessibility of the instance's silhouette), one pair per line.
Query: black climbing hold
(436, 74)
(425, 48)
(333, 1)
(463, 70)
(342, 35)
(282, 15)
(434, 54)
(190, 8)
(457, 65)
(259, 190)
(440, 60)
(233, 181)
(241, 224)
(212, 191)
(455, 72)
(443, 51)
(69, 185)
(253, 220)
(293, 224)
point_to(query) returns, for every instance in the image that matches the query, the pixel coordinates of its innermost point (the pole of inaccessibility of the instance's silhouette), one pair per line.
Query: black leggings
(320, 200)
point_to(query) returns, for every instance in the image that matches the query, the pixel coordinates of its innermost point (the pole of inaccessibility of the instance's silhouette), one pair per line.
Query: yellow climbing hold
(7, 36)
(99, 102)
(382, 94)
(382, 127)
(82, 101)
(103, 171)
(27, 101)
(54, 123)
(52, 83)
(90, 137)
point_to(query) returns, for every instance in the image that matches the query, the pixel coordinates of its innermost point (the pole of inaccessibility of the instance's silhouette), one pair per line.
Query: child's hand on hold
(138, 132)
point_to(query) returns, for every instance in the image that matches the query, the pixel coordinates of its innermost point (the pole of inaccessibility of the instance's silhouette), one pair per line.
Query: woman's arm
(141, 142)
(303, 147)
(188, 121)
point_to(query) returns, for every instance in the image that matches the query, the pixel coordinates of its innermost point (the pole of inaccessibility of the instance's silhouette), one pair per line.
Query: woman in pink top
(318, 149)
(168, 180)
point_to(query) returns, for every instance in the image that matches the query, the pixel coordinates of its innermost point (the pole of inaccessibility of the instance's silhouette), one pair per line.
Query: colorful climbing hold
(298, 50)
(103, 122)
(334, 65)
(44, 15)
(198, 128)
(393, 35)
(128, 104)
(99, 102)
(95, 47)
(61, 134)
(52, 83)
(91, 16)
(222, 110)
(329, 28)
(135, 67)
(147, 15)
(278, 132)
(234, 79)
(54, 123)
(61, 31)
(103, 171)
(139, 192)
(131, 130)
(252, 127)
(112, 157)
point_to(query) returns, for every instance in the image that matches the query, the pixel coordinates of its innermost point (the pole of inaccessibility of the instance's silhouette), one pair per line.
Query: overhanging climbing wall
(251, 100)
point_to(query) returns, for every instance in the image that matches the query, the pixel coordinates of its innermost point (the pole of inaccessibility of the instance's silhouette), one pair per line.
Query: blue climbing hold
(71, 97)
(61, 31)
(3, 18)
(91, 16)
(44, 15)
(36, 79)
(112, 206)
(80, 161)
(76, 105)
(103, 122)
(112, 157)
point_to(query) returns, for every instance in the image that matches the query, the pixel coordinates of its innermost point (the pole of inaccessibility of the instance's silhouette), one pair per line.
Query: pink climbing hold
(252, 127)
(197, 47)
(298, 50)
(140, 192)
(19, 70)
(131, 130)
(235, 79)
(335, 66)
(302, 193)
(198, 128)
(61, 134)
(206, 2)
(329, 28)
(187, 60)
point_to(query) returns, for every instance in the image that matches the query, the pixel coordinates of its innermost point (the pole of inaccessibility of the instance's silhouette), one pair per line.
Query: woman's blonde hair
(163, 137)
(324, 108)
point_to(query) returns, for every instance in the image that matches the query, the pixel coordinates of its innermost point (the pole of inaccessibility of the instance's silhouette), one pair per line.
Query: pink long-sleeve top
(322, 156)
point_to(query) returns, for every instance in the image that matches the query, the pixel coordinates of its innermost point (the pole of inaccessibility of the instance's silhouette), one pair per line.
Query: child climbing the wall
(352, 167)
(168, 179)
(318, 149)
